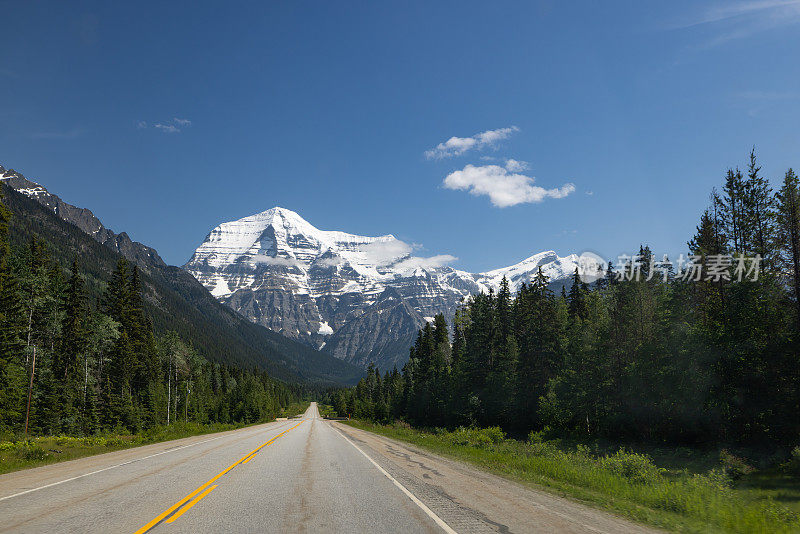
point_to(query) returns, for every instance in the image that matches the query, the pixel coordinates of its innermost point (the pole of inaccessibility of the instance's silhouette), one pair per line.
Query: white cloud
(174, 125)
(270, 260)
(385, 252)
(737, 20)
(503, 185)
(397, 254)
(329, 262)
(732, 10)
(432, 262)
(456, 146)
(168, 128)
(516, 166)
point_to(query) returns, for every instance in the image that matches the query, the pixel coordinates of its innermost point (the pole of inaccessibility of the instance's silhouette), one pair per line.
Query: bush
(715, 479)
(536, 437)
(792, 466)
(733, 466)
(637, 468)
(402, 425)
(475, 437)
(27, 450)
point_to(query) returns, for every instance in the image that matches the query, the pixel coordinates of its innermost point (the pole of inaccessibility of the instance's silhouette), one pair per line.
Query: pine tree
(71, 351)
(12, 374)
(731, 206)
(538, 332)
(760, 211)
(117, 295)
(576, 297)
(788, 241)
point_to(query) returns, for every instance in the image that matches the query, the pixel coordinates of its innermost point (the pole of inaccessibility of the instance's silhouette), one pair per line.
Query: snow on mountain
(281, 240)
(328, 288)
(553, 267)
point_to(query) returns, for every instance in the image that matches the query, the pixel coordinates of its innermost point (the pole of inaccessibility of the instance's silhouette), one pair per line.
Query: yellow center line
(188, 506)
(183, 501)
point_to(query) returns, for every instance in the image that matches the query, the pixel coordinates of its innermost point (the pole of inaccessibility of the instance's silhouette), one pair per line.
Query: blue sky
(335, 110)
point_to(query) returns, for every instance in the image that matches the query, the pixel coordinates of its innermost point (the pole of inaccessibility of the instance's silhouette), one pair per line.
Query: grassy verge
(326, 410)
(22, 454)
(295, 409)
(626, 483)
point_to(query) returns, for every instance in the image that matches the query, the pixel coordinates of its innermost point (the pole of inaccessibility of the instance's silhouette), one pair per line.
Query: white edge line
(109, 467)
(439, 521)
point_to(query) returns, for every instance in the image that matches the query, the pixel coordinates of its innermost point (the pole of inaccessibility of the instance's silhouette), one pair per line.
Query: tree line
(70, 364)
(666, 357)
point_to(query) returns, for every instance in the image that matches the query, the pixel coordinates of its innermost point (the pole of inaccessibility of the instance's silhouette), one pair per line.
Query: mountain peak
(342, 292)
(284, 213)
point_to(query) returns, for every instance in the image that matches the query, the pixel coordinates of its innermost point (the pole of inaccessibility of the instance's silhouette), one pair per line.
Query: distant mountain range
(175, 300)
(360, 298)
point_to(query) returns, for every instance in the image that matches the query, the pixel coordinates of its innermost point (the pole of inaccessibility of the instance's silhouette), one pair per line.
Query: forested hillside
(175, 301)
(672, 352)
(80, 355)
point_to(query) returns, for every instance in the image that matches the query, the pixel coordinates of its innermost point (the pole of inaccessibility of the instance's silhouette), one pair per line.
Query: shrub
(792, 466)
(475, 437)
(114, 441)
(402, 425)
(733, 466)
(27, 450)
(494, 434)
(716, 479)
(637, 468)
(536, 437)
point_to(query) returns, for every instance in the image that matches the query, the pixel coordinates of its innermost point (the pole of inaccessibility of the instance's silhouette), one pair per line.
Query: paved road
(300, 475)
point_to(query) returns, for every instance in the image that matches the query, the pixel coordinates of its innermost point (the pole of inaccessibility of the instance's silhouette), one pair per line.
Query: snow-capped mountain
(360, 298)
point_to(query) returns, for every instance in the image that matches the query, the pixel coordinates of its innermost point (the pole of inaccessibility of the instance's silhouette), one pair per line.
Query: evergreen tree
(788, 240)
(71, 352)
(576, 297)
(760, 211)
(12, 375)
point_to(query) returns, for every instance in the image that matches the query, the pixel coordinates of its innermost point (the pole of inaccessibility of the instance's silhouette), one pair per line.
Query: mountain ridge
(321, 286)
(174, 298)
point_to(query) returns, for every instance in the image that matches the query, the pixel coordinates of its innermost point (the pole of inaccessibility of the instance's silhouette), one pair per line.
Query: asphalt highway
(300, 475)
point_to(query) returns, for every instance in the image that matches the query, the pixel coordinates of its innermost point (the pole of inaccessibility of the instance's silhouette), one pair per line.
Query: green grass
(633, 485)
(326, 410)
(43, 450)
(295, 409)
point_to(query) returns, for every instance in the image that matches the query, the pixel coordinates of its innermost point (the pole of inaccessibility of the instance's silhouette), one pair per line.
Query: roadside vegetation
(295, 409)
(691, 363)
(84, 367)
(682, 490)
(43, 450)
(326, 410)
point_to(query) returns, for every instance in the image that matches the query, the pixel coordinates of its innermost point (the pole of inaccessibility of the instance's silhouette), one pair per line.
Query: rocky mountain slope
(144, 256)
(360, 298)
(175, 300)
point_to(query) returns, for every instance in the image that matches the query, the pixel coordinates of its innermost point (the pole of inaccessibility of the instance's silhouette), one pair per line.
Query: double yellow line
(205, 489)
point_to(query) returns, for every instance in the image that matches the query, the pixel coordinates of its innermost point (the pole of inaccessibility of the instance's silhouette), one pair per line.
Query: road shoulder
(473, 500)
